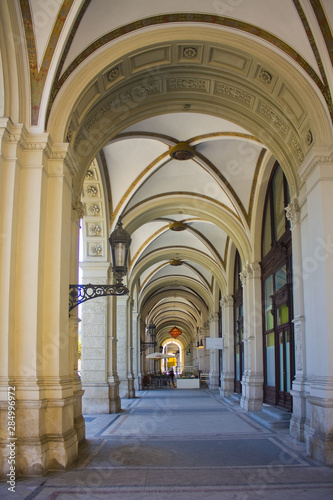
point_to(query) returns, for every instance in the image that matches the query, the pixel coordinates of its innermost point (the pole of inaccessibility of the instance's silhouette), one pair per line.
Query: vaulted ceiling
(178, 111)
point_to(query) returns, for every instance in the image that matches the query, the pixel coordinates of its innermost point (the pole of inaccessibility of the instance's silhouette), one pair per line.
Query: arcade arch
(235, 91)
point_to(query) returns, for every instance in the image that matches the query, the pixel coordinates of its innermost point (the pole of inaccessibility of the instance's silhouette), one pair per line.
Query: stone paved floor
(182, 445)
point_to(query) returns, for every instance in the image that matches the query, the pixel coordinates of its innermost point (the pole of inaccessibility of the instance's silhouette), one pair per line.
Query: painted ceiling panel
(151, 270)
(126, 159)
(44, 15)
(172, 271)
(174, 239)
(236, 160)
(213, 234)
(277, 17)
(142, 235)
(177, 176)
(202, 270)
(185, 126)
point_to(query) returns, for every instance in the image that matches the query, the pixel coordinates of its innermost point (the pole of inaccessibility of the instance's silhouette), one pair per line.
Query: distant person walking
(172, 376)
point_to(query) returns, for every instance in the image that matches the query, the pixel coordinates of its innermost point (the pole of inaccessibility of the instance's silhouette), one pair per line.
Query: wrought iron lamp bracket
(81, 293)
(144, 345)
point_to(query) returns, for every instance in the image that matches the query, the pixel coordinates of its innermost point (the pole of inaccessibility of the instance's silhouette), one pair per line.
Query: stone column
(252, 380)
(317, 173)
(122, 346)
(214, 353)
(94, 342)
(299, 386)
(228, 368)
(135, 321)
(112, 375)
(130, 374)
(37, 356)
(77, 214)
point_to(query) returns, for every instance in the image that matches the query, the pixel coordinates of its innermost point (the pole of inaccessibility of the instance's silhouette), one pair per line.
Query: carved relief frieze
(91, 191)
(265, 76)
(95, 249)
(236, 93)
(113, 74)
(298, 346)
(90, 174)
(309, 138)
(140, 91)
(188, 84)
(189, 52)
(274, 117)
(296, 146)
(93, 209)
(94, 229)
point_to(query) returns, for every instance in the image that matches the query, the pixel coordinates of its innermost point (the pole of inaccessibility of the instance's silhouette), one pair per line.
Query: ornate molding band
(175, 18)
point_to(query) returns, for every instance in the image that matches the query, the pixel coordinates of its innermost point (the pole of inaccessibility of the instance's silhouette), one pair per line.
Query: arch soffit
(156, 298)
(186, 311)
(268, 98)
(159, 286)
(207, 209)
(186, 253)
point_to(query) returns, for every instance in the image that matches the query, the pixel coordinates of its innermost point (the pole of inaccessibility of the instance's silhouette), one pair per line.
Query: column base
(227, 385)
(79, 423)
(213, 380)
(131, 389)
(96, 398)
(114, 399)
(319, 434)
(46, 438)
(300, 415)
(123, 389)
(252, 393)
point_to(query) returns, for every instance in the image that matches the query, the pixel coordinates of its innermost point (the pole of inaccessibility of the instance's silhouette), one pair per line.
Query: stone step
(233, 399)
(271, 417)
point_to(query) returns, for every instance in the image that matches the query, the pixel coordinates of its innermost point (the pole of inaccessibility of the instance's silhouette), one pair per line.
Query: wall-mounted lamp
(120, 242)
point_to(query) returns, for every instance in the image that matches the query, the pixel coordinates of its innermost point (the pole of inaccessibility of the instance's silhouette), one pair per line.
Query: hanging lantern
(175, 332)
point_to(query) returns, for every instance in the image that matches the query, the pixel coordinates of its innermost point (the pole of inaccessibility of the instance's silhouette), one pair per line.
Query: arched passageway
(174, 124)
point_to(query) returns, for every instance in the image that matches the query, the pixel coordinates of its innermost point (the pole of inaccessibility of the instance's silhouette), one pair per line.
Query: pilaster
(94, 342)
(122, 346)
(317, 273)
(228, 370)
(214, 353)
(298, 392)
(252, 380)
(37, 343)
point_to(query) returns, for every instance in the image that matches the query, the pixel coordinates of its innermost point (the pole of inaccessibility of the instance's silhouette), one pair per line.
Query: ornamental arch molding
(168, 284)
(197, 206)
(187, 254)
(154, 299)
(238, 92)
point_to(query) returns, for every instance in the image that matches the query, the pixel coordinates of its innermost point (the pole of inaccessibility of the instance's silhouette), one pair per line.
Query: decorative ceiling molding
(324, 26)
(321, 21)
(180, 18)
(38, 76)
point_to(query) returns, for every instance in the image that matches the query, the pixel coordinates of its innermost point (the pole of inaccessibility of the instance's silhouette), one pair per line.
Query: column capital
(253, 270)
(214, 317)
(243, 276)
(77, 210)
(227, 301)
(293, 213)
